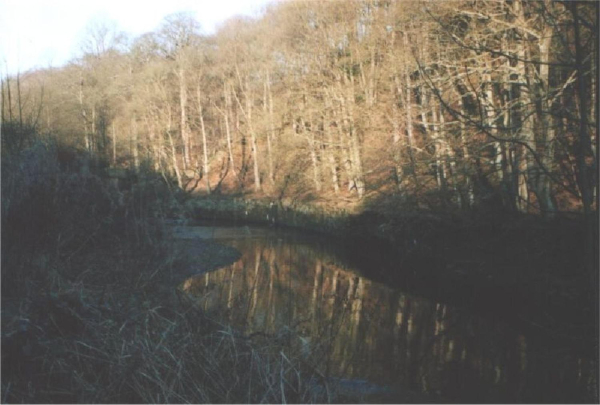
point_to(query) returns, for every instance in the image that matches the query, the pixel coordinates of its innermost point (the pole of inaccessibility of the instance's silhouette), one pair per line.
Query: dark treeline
(436, 104)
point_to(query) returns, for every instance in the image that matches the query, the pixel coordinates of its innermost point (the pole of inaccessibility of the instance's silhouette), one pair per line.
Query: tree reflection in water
(359, 329)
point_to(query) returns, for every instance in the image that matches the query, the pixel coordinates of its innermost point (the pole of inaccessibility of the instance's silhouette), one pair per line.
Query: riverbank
(90, 308)
(121, 331)
(91, 312)
(133, 336)
(107, 325)
(526, 269)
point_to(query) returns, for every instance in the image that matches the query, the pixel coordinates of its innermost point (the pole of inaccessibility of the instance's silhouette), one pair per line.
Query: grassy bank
(403, 229)
(90, 308)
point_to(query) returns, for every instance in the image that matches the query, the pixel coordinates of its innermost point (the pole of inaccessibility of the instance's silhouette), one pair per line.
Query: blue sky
(42, 33)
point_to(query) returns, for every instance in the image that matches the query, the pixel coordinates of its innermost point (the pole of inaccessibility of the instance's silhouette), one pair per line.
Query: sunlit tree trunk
(328, 121)
(82, 112)
(184, 123)
(523, 154)
(254, 145)
(396, 135)
(8, 94)
(93, 131)
(490, 115)
(440, 168)
(347, 103)
(408, 105)
(226, 115)
(308, 131)
(173, 150)
(466, 156)
(133, 136)
(268, 104)
(547, 141)
(114, 144)
(205, 166)
(448, 152)
(310, 138)
(338, 120)
(19, 100)
(2, 102)
(153, 143)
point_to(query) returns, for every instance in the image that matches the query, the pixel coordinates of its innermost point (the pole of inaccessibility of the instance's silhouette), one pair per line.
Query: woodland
(441, 103)
(475, 111)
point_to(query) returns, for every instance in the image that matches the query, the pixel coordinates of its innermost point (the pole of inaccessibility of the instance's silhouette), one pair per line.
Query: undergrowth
(87, 313)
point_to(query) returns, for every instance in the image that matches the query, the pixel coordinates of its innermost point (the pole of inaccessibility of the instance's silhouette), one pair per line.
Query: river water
(363, 330)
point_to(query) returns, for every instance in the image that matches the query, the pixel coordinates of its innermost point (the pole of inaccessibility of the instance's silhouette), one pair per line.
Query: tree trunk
(466, 164)
(584, 145)
(10, 114)
(83, 114)
(173, 150)
(114, 145)
(523, 154)
(134, 143)
(252, 138)
(184, 126)
(226, 115)
(490, 116)
(19, 102)
(409, 117)
(583, 151)
(205, 166)
(309, 134)
(331, 156)
(2, 101)
(268, 99)
(547, 131)
(353, 144)
(93, 131)
(449, 160)
(440, 168)
(310, 138)
(396, 137)
(338, 120)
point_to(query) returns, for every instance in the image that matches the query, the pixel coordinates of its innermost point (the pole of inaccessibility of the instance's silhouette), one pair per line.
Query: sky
(44, 33)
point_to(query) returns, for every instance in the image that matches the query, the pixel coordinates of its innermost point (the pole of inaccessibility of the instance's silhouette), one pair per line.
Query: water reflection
(361, 329)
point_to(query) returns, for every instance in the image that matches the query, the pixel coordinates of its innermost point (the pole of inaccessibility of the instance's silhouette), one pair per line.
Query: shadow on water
(356, 328)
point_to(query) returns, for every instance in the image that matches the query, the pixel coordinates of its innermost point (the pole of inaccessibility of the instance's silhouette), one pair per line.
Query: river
(359, 329)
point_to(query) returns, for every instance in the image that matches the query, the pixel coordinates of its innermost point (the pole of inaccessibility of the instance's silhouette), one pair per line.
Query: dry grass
(88, 314)
(83, 342)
